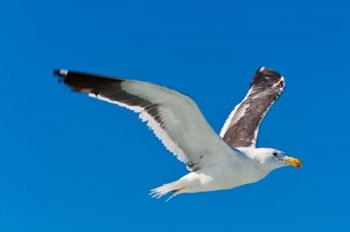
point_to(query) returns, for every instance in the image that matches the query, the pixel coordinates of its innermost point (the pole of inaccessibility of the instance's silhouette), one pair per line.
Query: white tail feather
(174, 187)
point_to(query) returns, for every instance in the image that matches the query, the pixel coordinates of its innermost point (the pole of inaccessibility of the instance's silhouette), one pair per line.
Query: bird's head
(273, 158)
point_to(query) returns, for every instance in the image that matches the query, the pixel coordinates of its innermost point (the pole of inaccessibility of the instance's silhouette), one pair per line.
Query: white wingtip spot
(63, 72)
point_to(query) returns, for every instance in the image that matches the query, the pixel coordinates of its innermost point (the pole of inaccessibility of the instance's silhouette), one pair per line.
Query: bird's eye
(274, 154)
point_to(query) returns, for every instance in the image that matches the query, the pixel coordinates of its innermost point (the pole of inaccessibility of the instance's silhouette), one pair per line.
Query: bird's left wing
(174, 118)
(242, 126)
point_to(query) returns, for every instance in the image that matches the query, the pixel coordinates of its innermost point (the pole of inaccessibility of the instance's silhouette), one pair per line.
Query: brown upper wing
(241, 127)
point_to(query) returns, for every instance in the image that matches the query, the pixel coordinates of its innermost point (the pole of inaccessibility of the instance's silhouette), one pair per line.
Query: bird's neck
(254, 154)
(250, 152)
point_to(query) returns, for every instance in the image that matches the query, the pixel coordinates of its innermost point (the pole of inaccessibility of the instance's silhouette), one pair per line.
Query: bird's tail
(175, 188)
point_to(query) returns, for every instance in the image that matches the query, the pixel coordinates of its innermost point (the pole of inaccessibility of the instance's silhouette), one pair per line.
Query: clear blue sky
(71, 163)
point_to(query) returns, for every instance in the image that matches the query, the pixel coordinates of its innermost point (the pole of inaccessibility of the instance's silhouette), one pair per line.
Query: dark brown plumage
(243, 124)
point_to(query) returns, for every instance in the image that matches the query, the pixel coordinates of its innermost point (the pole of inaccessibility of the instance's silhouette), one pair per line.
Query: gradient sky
(71, 163)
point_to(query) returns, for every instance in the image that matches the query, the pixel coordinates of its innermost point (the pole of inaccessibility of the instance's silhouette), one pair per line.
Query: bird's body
(216, 161)
(224, 175)
(236, 170)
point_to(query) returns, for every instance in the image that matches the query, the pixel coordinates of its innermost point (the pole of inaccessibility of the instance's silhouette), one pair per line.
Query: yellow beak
(293, 162)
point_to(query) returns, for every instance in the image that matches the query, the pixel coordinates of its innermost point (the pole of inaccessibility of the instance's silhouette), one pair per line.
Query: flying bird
(215, 162)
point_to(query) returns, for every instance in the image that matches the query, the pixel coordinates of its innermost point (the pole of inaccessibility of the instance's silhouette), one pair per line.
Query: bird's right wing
(174, 118)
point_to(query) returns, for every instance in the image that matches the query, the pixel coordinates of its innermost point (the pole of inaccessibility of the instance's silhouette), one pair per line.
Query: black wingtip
(266, 75)
(260, 69)
(263, 70)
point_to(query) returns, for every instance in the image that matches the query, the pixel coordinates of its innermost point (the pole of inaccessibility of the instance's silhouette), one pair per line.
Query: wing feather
(173, 117)
(242, 126)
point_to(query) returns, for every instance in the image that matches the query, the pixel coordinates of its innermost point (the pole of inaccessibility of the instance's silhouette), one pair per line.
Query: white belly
(221, 176)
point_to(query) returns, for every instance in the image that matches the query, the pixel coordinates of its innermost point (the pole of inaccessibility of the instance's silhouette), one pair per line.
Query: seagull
(215, 161)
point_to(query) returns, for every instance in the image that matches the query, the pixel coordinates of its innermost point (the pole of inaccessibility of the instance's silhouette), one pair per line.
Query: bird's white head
(271, 158)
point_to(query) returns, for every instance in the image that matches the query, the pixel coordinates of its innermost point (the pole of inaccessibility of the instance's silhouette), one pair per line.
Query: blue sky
(70, 163)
